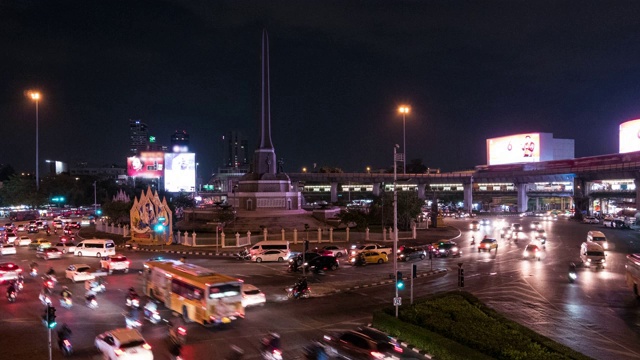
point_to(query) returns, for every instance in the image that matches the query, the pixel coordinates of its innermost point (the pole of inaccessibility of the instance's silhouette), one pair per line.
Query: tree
(118, 211)
(20, 190)
(409, 207)
(416, 167)
(358, 217)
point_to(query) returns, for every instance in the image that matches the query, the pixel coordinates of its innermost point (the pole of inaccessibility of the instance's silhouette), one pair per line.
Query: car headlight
(454, 249)
(606, 245)
(401, 255)
(525, 253)
(588, 260)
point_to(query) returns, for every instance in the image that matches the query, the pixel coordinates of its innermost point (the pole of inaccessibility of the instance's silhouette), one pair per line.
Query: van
(269, 245)
(592, 254)
(598, 238)
(95, 247)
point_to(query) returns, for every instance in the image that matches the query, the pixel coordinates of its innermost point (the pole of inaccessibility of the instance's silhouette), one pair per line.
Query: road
(597, 315)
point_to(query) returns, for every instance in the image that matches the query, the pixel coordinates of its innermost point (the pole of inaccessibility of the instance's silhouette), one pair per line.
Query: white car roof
(124, 335)
(249, 287)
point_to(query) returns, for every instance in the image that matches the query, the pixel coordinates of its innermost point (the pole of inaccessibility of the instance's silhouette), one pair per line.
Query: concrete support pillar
(467, 189)
(348, 233)
(366, 235)
(384, 234)
(414, 231)
(421, 191)
(376, 188)
(222, 237)
(237, 238)
(265, 234)
(319, 234)
(523, 199)
(295, 236)
(334, 192)
(282, 232)
(537, 204)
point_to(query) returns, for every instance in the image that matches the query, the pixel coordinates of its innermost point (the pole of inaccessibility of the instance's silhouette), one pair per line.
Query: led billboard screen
(630, 136)
(148, 164)
(514, 149)
(180, 172)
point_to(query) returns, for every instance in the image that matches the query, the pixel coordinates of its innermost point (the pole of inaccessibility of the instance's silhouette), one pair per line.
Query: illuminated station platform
(533, 171)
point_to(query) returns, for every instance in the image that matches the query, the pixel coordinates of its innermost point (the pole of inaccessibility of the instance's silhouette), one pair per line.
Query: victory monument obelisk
(264, 187)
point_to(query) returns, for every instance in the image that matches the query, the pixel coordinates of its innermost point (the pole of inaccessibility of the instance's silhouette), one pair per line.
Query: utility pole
(397, 301)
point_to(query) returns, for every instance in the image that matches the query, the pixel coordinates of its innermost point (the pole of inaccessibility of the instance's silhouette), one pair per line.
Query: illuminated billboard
(148, 164)
(514, 149)
(180, 172)
(630, 136)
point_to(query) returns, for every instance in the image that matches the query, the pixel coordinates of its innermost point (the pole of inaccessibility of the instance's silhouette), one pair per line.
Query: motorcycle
(358, 261)
(293, 294)
(45, 299)
(49, 284)
(19, 284)
(153, 316)
(177, 334)
(293, 267)
(573, 274)
(131, 321)
(95, 286)
(243, 255)
(271, 349)
(91, 301)
(11, 296)
(133, 302)
(66, 302)
(65, 347)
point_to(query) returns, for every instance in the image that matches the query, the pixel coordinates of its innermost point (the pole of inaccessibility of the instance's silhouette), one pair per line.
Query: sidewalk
(424, 237)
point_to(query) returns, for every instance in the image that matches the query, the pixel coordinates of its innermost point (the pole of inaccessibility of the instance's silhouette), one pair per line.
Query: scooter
(131, 322)
(271, 349)
(177, 334)
(243, 255)
(292, 294)
(45, 299)
(153, 316)
(19, 284)
(91, 301)
(65, 347)
(133, 302)
(12, 296)
(66, 302)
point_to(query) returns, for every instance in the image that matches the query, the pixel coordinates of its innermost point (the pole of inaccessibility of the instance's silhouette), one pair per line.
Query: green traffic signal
(399, 281)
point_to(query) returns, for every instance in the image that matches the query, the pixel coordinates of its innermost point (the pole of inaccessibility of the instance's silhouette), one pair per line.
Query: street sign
(397, 301)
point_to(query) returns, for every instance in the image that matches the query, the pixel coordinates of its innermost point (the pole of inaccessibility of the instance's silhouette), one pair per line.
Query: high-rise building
(236, 150)
(180, 141)
(139, 136)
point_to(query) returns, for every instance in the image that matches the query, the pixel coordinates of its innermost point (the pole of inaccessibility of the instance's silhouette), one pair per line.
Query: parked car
(323, 263)
(79, 272)
(7, 249)
(123, 344)
(252, 296)
(9, 271)
(49, 253)
(410, 253)
(487, 244)
(270, 255)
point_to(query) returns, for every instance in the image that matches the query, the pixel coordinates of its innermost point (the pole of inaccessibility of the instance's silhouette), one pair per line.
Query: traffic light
(159, 228)
(399, 281)
(99, 212)
(51, 317)
(415, 271)
(461, 277)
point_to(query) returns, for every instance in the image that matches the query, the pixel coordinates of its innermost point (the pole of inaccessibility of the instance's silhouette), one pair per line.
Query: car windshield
(132, 343)
(599, 239)
(252, 292)
(487, 241)
(220, 291)
(531, 248)
(595, 253)
(445, 246)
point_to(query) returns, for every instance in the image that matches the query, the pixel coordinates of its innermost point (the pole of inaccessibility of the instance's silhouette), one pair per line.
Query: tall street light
(395, 226)
(35, 96)
(404, 110)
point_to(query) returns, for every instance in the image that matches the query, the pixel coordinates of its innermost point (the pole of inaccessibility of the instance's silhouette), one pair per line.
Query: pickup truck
(372, 247)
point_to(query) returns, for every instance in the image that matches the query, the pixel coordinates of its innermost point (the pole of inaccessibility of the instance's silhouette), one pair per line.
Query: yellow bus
(633, 273)
(198, 293)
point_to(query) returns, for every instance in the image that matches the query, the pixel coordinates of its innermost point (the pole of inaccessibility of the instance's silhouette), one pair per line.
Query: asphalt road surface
(597, 315)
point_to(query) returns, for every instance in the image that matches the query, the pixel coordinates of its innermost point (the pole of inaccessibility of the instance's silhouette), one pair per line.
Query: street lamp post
(95, 199)
(35, 96)
(404, 110)
(395, 225)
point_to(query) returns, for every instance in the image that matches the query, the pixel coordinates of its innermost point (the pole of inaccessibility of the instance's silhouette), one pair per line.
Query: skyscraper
(139, 136)
(180, 141)
(236, 152)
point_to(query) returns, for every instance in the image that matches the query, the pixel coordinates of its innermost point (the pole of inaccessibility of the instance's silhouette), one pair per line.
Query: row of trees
(380, 212)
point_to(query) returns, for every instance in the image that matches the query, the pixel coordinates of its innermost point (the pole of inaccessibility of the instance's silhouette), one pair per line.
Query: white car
(49, 253)
(271, 255)
(335, 250)
(21, 228)
(66, 247)
(23, 241)
(116, 262)
(79, 272)
(9, 271)
(590, 220)
(7, 249)
(252, 296)
(11, 237)
(127, 344)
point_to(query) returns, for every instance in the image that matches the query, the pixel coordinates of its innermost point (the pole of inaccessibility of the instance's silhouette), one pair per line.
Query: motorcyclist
(360, 260)
(11, 288)
(33, 265)
(175, 348)
(132, 293)
(271, 341)
(51, 272)
(301, 286)
(473, 239)
(63, 334)
(65, 293)
(572, 268)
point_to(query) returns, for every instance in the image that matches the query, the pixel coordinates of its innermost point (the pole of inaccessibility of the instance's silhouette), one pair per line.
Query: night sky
(470, 70)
